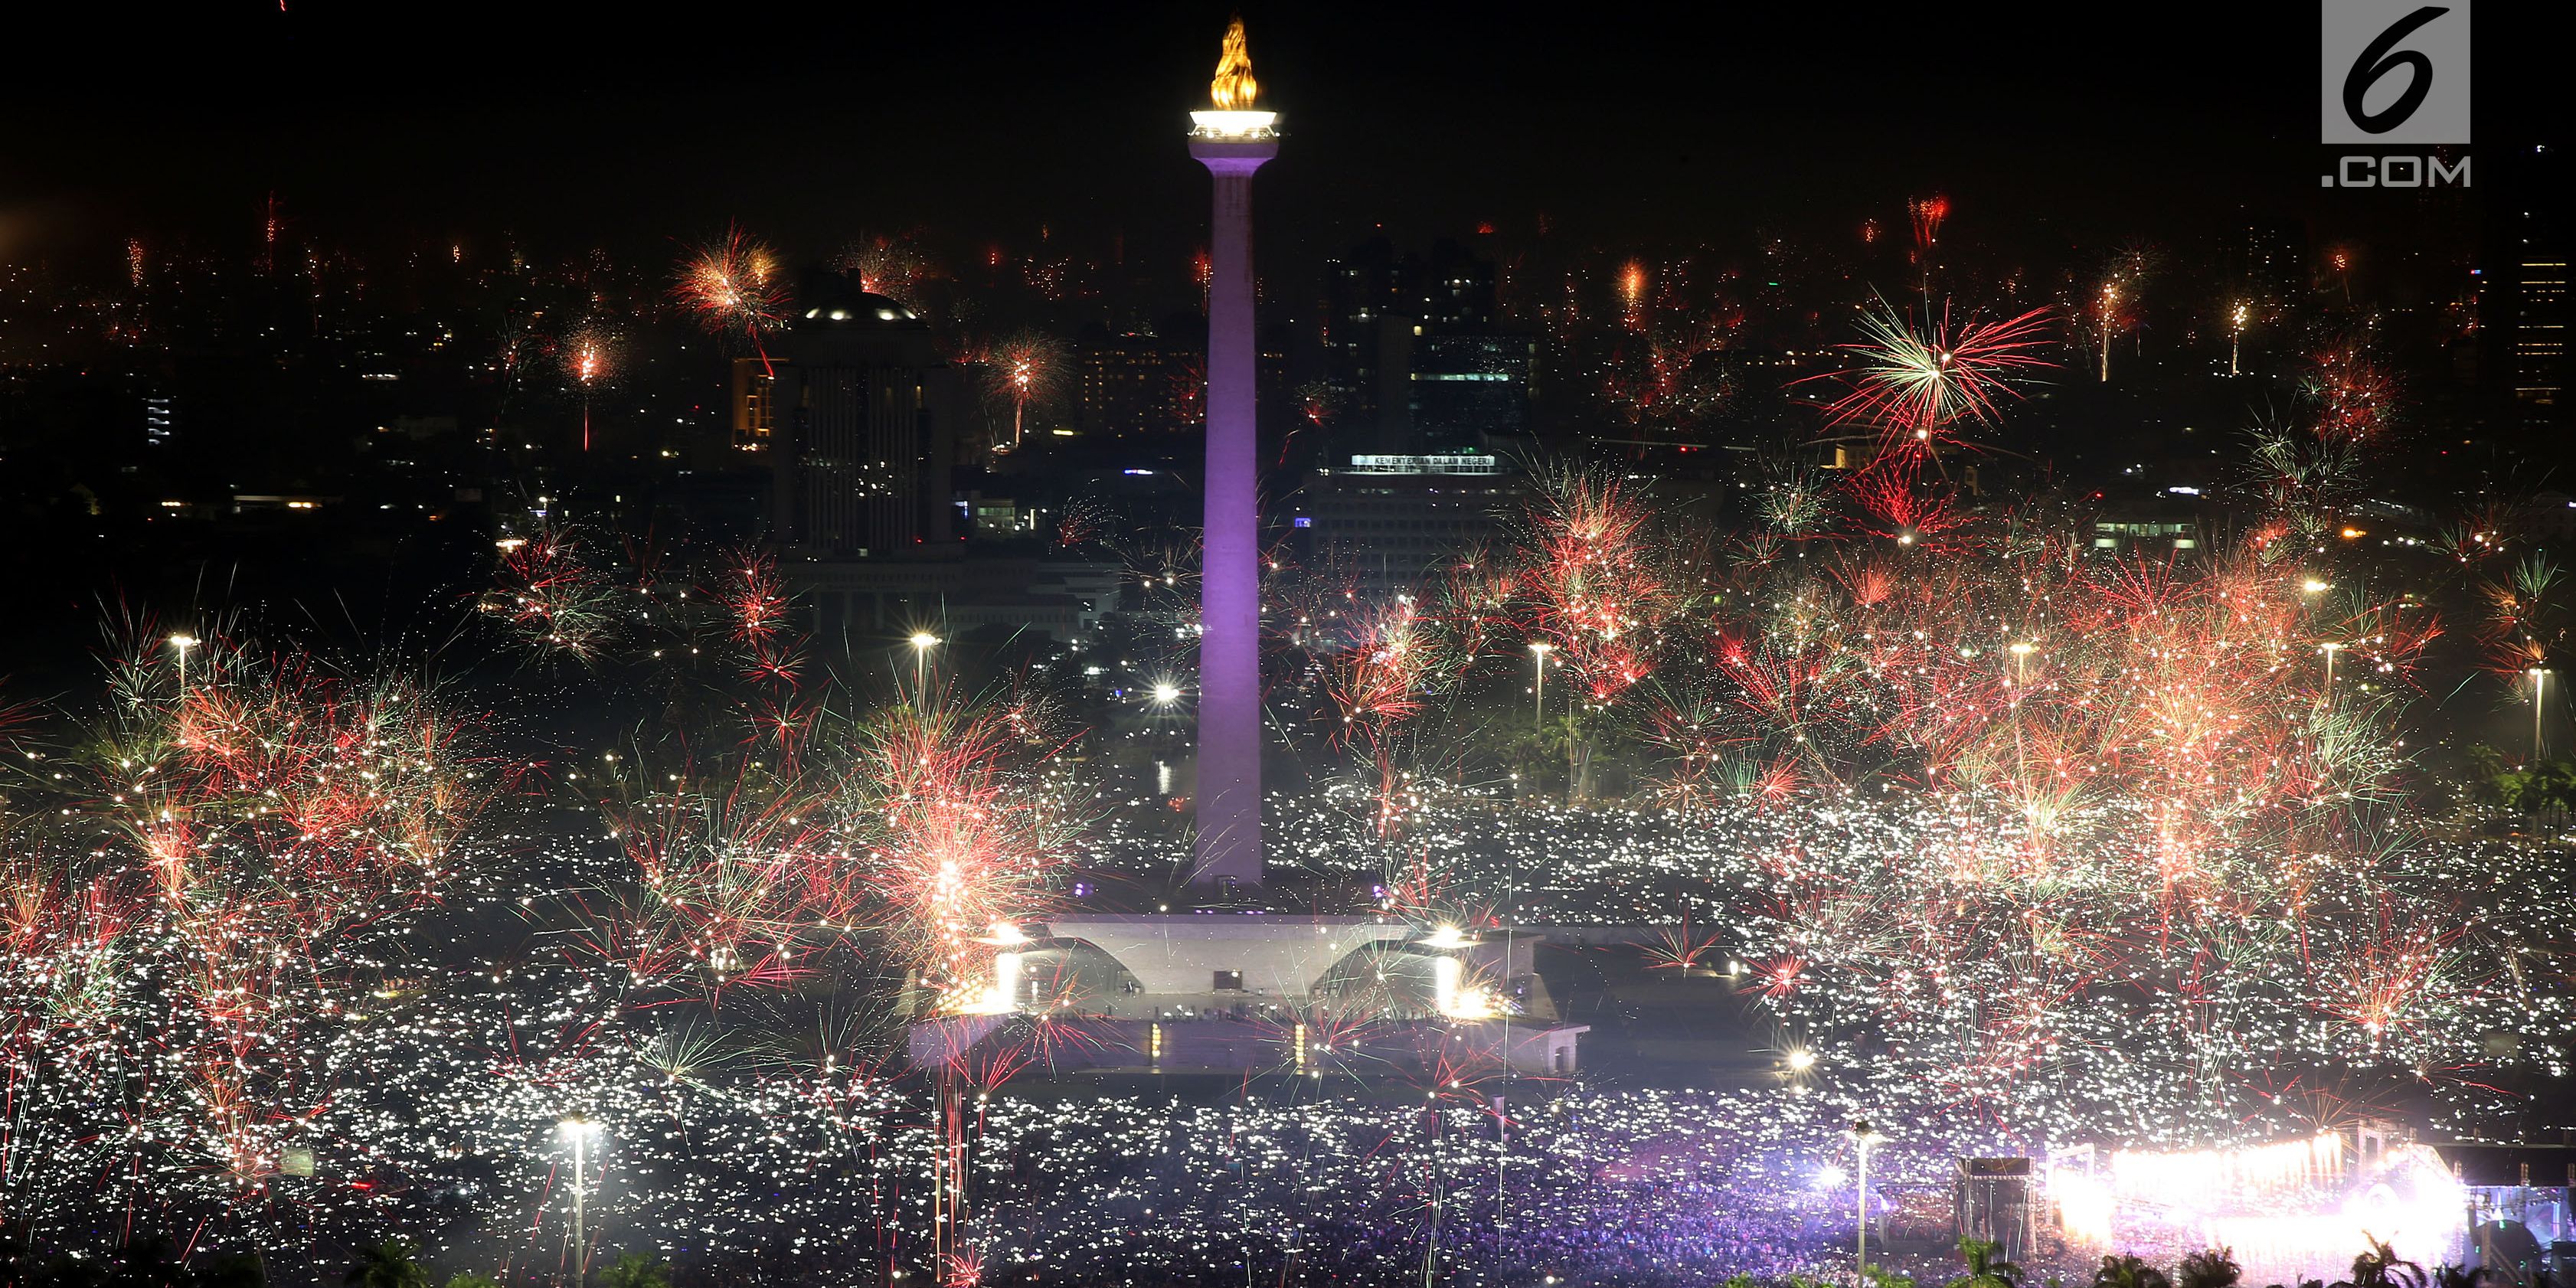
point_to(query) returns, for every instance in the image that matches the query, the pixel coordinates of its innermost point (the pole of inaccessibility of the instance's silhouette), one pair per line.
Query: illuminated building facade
(1388, 523)
(753, 400)
(1261, 992)
(1135, 383)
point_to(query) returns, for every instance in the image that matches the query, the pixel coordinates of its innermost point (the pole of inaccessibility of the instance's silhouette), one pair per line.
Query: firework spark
(1915, 381)
(733, 287)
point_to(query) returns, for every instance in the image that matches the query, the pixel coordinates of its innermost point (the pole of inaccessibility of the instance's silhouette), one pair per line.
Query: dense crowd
(776, 1137)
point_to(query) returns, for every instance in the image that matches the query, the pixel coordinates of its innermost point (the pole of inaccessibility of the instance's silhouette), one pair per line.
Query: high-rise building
(753, 400)
(2520, 360)
(1389, 524)
(1464, 387)
(1137, 382)
(1415, 350)
(2539, 331)
(2268, 263)
(160, 418)
(1375, 302)
(2535, 272)
(865, 413)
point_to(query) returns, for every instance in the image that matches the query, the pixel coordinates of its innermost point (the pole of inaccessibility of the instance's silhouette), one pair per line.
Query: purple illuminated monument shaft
(1229, 770)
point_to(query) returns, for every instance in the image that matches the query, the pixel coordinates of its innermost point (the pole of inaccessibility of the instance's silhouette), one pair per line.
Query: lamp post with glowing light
(1862, 1137)
(180, 644)
(1538, 713)
(1232, 137)
(579, 1130)
(922, 642)
(1538, 684)
(2329, 648)
(2539, 686)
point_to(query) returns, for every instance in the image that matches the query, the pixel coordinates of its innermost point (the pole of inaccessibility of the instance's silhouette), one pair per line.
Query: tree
(469, 1279)
(2522, 789)
(1985, 1270)
(637, 1270)
(2127, 1271)
(394, 1263)
(2211, 1268)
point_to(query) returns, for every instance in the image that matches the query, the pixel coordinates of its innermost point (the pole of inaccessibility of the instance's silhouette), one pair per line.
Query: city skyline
(804, 648)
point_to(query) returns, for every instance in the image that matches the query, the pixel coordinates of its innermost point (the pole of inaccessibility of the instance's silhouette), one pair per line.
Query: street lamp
(1539, 650)
(2329, 648)
(579, 1130)
(181, 644)
(922, 642)
(1166, 694)
(2539, 686)
(1862, 1137)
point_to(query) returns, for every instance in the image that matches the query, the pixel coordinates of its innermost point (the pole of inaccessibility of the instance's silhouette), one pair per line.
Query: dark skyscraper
(2534, 316)
(2269, 263)
(1413, 345)
(1469, 387)
(864, 414)
(1372, 287)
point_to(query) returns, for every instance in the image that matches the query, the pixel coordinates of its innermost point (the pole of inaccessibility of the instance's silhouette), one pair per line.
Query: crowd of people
(773, 1149)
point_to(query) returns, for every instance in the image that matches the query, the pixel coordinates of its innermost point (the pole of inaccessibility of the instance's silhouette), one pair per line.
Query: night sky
(632, 126)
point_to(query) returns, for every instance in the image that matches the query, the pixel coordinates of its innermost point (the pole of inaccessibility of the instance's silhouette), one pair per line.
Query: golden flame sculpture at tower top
(1233, 89)
(1233, 117)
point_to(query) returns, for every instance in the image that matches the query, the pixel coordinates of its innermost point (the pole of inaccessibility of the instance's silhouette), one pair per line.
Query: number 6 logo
(2376, 62)
(2408, 58)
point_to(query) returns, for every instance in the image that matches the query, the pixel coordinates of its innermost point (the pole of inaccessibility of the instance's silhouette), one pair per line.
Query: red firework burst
(1913, 381)
(734, 287)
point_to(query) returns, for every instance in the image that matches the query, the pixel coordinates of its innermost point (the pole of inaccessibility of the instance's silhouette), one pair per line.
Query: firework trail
(590, 363)
(1927, 214)
(1023, 371)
